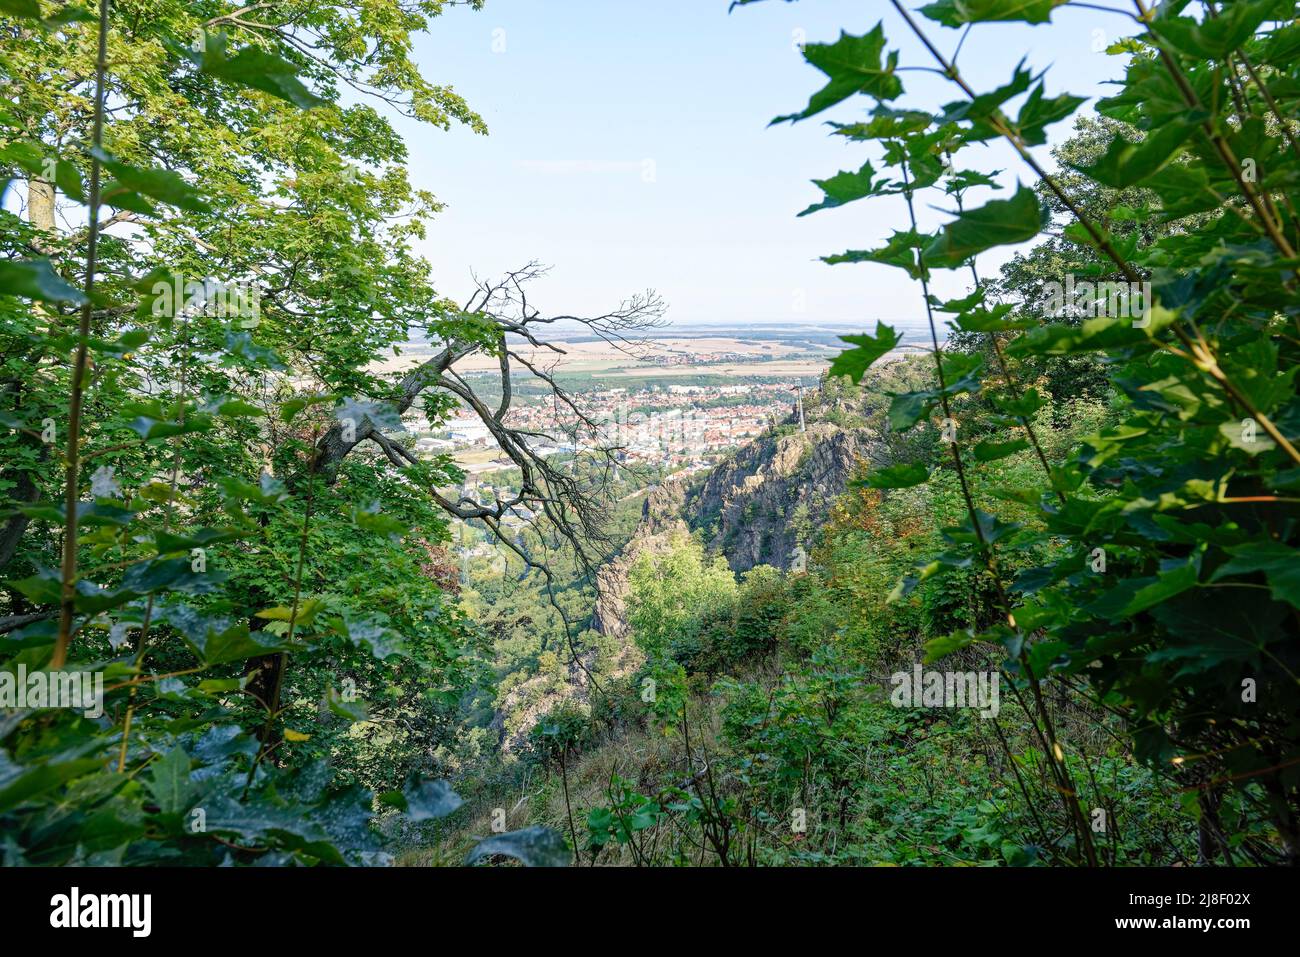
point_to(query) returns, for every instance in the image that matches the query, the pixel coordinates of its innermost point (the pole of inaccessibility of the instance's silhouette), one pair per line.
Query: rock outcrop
(661, 517)
(762, 506)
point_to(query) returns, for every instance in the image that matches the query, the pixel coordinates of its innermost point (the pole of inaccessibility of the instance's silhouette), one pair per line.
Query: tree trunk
(40, 205)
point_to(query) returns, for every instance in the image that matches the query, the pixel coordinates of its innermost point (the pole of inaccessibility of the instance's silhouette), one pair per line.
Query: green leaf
(1215, 37)
(908, 408)
(36, 279)
(1092, 335)
(26, 155)
(991, 529)
(370, 520)
(155, 573)
(535, 846)
(150, 429)
(307, 612)
(160, 184)
(241, 350)
(982, 319)
(1039, 112)
(899, 251)
(168, 543)
(214, 640)
(291, 407)
(370, 632)
(1236, 436)
(846, 187)
(352, 711)
(169, 782)
(427, 800)
(1279, 563)
(221, 685)
(962, 372)
(43, 588)
(19, 784)
(1283, 47)
(238, 409)
(992, 451)
(958, 181)
(985, 106)
(1137, 595)
(1126, 164)
(268, 490)
(944, 645)
(89, 514)
(1206, 631)
(27, 9)
(885, 123)
(867, 349)
(257, 820)
(940, 564)
(955, 13)
(999, 222)
(118, 195)
(256, 68)
(68, 14)
(899, 476)
(854, 65)
(68, 179)
(964, 304)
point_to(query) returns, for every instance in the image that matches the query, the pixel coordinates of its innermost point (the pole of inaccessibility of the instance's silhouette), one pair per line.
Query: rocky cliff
(760, 507)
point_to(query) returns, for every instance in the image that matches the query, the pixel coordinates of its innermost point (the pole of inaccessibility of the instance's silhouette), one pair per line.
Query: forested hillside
(1024, 593)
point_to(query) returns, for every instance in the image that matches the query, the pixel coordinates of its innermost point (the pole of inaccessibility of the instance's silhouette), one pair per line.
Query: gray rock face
(761, 507)
(765, 503)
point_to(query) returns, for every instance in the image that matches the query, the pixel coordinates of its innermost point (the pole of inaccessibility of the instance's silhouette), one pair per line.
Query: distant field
(596, 364)
(601, 359)
(777, 367)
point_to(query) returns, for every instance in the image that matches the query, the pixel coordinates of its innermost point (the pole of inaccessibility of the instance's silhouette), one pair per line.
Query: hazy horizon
(630, 149)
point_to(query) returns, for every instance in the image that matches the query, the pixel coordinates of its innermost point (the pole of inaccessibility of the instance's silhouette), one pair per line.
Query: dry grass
(649, 758)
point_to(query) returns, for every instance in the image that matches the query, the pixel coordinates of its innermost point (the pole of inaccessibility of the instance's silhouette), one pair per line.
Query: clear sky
(629, 149)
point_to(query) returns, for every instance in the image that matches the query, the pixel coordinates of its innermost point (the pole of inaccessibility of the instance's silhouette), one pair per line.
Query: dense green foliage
(1168, 596)
(1084, 493)
(271, 627)
(1090, 492)
(778, 684)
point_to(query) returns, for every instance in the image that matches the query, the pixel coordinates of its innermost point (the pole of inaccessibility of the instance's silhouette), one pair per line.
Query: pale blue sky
(580, 94)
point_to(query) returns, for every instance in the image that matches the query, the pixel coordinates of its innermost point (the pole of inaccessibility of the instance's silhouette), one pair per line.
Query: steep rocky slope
(760, 507)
